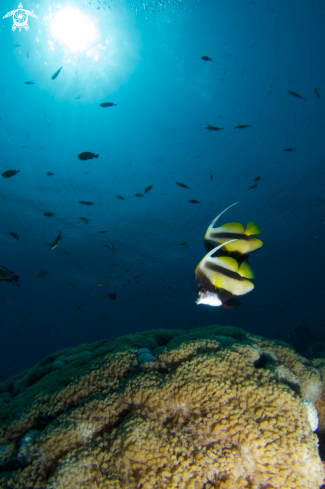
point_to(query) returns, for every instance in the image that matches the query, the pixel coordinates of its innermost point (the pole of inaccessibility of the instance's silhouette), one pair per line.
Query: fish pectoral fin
(219, 282)
(252, 228)
(231, 304)
(234, 226)
(228, 262)
(246, 271)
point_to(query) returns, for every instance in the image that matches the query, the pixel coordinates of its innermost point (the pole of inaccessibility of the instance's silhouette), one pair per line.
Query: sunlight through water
(73, 29)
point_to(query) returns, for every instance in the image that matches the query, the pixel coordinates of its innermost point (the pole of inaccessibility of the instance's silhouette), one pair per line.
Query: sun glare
(73, 28)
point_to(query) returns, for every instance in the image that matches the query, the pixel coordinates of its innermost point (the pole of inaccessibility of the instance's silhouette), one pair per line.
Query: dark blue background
(149, 64)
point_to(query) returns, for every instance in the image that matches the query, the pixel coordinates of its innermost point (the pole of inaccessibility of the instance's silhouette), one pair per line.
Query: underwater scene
(162, 186)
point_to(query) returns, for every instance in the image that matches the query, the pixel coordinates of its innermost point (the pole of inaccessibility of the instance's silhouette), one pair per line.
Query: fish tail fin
(215, 220)
(246, 271)
(252, 228)
(96, 156)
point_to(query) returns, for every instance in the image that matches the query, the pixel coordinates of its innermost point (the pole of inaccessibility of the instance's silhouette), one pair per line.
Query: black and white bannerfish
(56, 241)
(242, 240)
(220, 279)
(7, 276)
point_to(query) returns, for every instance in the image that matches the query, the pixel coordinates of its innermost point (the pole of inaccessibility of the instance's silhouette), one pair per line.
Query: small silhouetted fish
(102, 232)
(107, 104)
(66, 253)
(243, 126)
(317, 91)
(213, 128)
(49, 174)
(27, 54)
(112, 296)
(295, 94)
(1, 298)
(10, 173)
(253, 186)
(100, 284)
(183, 245)
(180, 184)
(14, 235)
(41, 274)
(289, 149)
(29, 82)
(120, 197)
(84, 219)
(7, 276)
(56, 241)
(85, 202)
(138, 195)
(257, 179)
(211, 177)
(78, 97)
(147, 189)
(193, 201)
(17, 45)
(111, 247)
(87, 155)
(206, 58)
(56, 73)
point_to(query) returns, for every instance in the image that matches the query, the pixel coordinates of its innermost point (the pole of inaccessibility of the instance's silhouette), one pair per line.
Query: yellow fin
(246, 271)
(252, 228)
(230, 263)
(234, 226)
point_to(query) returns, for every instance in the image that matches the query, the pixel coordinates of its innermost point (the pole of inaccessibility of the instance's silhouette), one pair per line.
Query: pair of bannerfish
(224, 272)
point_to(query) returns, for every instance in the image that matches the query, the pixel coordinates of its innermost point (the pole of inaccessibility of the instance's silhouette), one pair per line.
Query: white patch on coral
(311, 414)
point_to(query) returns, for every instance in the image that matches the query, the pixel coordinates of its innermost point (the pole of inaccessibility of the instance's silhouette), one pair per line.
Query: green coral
(214, 407)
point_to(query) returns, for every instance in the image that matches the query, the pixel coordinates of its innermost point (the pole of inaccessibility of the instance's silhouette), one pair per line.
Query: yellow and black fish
(245, 241)
(220, 279)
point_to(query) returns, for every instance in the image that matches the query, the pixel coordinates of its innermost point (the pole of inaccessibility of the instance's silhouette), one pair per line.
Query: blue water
(147, 60)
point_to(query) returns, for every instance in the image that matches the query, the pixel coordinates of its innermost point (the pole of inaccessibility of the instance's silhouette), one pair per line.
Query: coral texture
(320, 403)
(213, 407)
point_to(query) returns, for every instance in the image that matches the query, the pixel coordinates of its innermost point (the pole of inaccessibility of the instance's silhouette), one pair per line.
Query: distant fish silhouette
(180, 184)
(56, 241)
(243, 126)
(41, 274)
(87, 155)
(56, 74)
(10, 173)
(295, 94)
(7, 276)
(107, 104)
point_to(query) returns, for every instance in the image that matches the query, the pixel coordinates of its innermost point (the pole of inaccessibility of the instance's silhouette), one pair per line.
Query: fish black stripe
(224, 271)
(231, 236)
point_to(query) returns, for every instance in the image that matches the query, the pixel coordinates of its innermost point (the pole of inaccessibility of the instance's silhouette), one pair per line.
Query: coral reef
(319, 363)
(214, 407)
